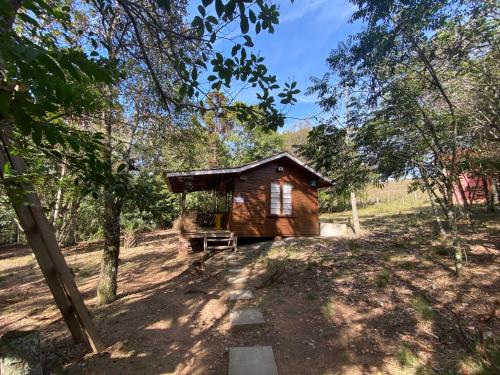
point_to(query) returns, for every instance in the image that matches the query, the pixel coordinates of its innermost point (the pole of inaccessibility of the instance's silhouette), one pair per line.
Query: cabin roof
(207, 179)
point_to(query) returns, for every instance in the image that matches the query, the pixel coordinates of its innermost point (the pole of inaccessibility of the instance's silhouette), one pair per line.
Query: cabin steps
(220, 239)
(223, 241)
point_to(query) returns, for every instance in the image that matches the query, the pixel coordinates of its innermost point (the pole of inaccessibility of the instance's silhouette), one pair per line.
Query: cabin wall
(251, 203)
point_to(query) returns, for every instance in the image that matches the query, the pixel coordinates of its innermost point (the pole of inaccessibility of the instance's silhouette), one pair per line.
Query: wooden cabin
(273, 197)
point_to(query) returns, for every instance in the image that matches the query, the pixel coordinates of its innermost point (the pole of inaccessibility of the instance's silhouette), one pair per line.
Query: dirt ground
(384, 303)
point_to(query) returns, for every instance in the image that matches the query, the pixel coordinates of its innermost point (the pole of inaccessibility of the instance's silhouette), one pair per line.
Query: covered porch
(211, 221)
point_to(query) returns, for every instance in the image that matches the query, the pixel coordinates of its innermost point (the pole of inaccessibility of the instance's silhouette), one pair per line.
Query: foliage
(403, 73)
(183, 53)
(249, 143)
(383, 278)
(296, 136)
(71, 70)
(8, 226)
(423, 307)
(332, 150)
(151, 202)
(42, 81)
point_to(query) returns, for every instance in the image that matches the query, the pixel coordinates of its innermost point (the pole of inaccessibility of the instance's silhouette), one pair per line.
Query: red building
(472, 188)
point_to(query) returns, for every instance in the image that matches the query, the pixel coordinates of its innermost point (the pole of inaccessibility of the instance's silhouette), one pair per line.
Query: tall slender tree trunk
(466, 205)
(495, 188)
(451, 216)
(355, 216)
(106, 291)
(66, 235)
(488, 194)
(435, 212)
(21, 236)
(57, 207)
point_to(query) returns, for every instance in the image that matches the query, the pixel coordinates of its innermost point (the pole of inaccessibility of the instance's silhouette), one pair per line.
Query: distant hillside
(393, 194)
(392, 191)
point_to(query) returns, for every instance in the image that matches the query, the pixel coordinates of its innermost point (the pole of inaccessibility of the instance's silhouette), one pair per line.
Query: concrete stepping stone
(252, 360)
(240, 294)
(234, 257)
(237, 279)
(238, 270)
(246, 318)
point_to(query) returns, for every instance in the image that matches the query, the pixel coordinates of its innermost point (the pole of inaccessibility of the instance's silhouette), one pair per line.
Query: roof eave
(207, 172)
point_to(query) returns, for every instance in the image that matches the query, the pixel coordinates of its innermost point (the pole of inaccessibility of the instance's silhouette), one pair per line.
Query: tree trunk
(57, 207)
(495, 188)
(457, 250)
(451, 216)
(355, 217)
(106, 291)
(442, 232)
(21, 236)
(467, 205)
(488, 194)
(66, 235)
(70, 238)
(183, 203)
(21, 353)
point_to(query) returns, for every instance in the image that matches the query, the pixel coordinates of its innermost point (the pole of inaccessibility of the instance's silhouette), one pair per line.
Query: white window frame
(287, 199)
(280, 199)
(275, 199)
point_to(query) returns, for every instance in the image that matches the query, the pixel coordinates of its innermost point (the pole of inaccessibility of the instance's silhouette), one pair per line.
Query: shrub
(383, 278)
(423, 307)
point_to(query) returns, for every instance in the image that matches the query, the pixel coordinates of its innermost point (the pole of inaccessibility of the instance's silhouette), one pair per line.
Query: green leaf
(6, 169)
(248, 41)
(219, 7)
(258, 27)
(253, 17)
(52, 65)
(74, 143)
(199, 25)
(244, 24)
(212, 19)
(121, 167)
(235, 49)
(26, 18)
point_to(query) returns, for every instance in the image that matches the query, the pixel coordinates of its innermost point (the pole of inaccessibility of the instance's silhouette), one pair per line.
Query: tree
(55, 63)
(250, 142)
(333, 149)
(219, 124)
(403, 68)
(296, 136)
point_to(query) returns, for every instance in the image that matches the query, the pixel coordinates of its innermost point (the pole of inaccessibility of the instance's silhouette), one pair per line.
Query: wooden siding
(252, 217)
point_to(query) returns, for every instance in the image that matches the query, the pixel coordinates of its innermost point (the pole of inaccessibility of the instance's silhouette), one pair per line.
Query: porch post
(183, 203)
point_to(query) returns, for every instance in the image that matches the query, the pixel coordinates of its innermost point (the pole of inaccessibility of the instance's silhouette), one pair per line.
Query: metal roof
(237, 170)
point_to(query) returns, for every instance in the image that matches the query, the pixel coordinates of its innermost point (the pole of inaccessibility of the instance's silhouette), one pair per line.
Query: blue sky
(308, 31)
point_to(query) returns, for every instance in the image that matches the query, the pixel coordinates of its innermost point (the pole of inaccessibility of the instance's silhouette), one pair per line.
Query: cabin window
(281, 199)
(275, 198)
(287, 199)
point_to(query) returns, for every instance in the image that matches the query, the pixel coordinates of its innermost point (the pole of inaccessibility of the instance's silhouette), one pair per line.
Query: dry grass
(184, 224)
